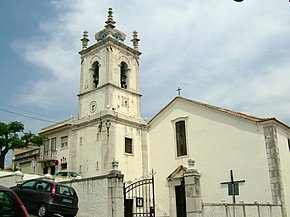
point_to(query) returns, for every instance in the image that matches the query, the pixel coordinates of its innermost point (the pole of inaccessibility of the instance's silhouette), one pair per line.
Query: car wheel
(42, 210)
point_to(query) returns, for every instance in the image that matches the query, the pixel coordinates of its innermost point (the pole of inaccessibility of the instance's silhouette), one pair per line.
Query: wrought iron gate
(139, 198)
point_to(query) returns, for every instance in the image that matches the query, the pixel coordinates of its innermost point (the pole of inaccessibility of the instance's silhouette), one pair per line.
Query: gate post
(115, 192)
(192, 191)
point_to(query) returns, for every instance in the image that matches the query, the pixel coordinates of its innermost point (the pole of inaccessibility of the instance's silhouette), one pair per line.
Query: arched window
(96, 73)
(123, 73)
(180, 138)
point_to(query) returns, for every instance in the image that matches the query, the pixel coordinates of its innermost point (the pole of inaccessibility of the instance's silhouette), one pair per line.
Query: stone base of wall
(241, 210)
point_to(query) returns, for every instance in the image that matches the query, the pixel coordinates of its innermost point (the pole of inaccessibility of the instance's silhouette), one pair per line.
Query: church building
(239, 158)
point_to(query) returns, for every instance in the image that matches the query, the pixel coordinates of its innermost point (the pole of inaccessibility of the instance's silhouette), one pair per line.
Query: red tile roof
(237, 114)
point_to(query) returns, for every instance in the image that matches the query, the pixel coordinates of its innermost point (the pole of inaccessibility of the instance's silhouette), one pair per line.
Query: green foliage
(37, 140)
(12, 136)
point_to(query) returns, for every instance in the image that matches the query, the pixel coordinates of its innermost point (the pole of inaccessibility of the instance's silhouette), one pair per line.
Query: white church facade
(253, 152)
(250, 154)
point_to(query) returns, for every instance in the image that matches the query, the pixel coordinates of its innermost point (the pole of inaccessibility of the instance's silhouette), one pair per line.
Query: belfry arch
(124, 75)
(96, 74)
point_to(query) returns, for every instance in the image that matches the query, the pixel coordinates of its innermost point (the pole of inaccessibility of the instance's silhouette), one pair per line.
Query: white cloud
(220, 52)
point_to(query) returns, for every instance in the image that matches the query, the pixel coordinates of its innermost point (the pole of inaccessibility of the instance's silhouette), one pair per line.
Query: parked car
(48, 197)
(68, 174)
(10, 204)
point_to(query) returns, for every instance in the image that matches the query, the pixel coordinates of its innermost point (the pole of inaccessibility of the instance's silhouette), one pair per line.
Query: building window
(180, 138)
(45, 170)
(96, 73)
(53, 144)
(289, 144)
(63, 163)
(128, 146)
(64, 141)
(123, 73)
(46, 147)
(63, 166)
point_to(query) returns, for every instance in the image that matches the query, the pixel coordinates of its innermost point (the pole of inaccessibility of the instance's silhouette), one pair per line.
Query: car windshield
(29, 184)
(67, 174)
(73, 174)
(61, 174)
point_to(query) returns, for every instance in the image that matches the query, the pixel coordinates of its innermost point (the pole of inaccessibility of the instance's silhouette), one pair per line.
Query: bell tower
(109, 120)
(109, 73)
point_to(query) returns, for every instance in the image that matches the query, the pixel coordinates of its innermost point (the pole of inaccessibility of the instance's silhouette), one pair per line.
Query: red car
(10, 204)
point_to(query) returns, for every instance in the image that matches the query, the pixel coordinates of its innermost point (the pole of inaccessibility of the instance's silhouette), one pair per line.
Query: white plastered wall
(218, 142)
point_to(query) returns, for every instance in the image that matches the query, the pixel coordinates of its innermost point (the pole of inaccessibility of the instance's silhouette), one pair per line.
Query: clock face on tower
(93, 106)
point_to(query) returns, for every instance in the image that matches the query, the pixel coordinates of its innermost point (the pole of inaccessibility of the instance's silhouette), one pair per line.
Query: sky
(235, 55)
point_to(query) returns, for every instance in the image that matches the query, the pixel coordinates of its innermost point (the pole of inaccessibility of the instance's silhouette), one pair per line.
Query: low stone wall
(93, 195)
(10, 179)
(100, 196)
(241, 210)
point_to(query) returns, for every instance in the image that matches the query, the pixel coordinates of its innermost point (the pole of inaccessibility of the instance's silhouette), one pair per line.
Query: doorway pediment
(177, 173)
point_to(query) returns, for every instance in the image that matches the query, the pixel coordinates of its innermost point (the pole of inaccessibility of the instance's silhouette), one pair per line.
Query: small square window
(64, 141)
(63, 166)
(128, 146)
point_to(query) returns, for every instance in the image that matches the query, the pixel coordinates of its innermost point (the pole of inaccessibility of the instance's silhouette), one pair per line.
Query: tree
(12, 136)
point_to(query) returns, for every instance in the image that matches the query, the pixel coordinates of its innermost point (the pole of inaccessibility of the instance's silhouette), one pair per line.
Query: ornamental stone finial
(191, 163)
(48, 176)
(18, 176)
(85, 40)
(110, 21)
(110, 30)
(135, 40)
(191, 168)
(115, 165)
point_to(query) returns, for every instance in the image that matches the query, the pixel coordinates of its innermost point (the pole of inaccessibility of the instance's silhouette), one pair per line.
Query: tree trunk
(2, 158)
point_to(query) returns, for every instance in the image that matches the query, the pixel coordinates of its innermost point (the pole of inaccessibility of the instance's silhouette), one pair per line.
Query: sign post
(233, 186)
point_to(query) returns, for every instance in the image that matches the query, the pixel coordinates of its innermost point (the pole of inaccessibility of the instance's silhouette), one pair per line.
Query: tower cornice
(110, 41)
(112, 85)
(114, 116)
